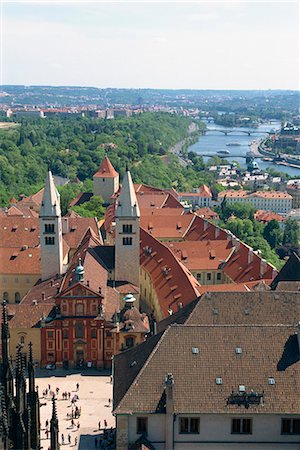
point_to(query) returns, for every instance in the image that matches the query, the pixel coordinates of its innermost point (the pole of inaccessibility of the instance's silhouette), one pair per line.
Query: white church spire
(51, 231)
(127, 240)
(127, 201)
(51, 198)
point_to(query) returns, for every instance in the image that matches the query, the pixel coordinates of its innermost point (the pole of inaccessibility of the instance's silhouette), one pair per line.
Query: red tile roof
(207, 213)
(267, 216)
(18, 261)
(170, 227)
(106, 170)
(172, 281)
(35, 198)
(260, 194)
(201, 255)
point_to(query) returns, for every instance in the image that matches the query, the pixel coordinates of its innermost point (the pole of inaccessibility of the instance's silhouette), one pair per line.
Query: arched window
(22, 340)
(17, 297)
(79, 330)
(129, 342)
(6, 296)
(79, 309)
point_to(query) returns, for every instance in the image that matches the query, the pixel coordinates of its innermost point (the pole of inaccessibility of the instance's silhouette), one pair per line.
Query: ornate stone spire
(54, 444)
(31, 370)
(5, 336)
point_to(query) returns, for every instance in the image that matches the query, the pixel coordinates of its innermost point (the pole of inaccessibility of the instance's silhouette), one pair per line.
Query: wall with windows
(208, 277)
(245, 427)
(218, 431)
(148, 294)
(24, 336)
(15, 286)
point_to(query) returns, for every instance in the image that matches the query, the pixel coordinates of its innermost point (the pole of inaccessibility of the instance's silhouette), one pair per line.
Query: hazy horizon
(158, 45)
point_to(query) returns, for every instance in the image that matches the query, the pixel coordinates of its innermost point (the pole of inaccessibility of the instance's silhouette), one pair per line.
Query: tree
(92, 208)
(291, 233)
(272, 233)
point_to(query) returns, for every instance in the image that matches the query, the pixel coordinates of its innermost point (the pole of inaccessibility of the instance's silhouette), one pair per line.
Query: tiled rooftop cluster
(219, 343)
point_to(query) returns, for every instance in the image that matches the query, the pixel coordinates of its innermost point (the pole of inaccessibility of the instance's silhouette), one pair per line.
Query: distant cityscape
(152, 289)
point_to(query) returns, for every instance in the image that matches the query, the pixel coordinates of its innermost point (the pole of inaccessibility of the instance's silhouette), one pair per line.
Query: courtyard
(94, 403)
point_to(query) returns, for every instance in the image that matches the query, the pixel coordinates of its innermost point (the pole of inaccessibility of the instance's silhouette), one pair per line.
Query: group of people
(69, 439)
(49, 392)
(75, 414)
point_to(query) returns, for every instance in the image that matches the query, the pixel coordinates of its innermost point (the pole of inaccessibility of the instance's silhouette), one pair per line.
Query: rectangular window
(208, 276)
(65, 334)
(290, 426)
(127, 241)
(50, 334)
(189, 425)
(198, 276)
(49, 227)
(127, 228)
(241, 426)
(219, 275)
(49, 240)
(141, 425)
(94, 333)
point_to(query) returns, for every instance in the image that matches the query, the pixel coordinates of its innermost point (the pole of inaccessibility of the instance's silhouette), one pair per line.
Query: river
(214, 141)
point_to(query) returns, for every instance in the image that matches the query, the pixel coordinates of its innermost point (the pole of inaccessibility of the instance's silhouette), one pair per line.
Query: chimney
(250, 255)
(263, 267)
(169, 421)
(65, 225)
(43, 296)
(180, 306)
(235, 243)
(52, 283)
(217, 232)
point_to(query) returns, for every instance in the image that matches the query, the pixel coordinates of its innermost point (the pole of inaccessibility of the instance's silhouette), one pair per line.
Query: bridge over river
(236, 132)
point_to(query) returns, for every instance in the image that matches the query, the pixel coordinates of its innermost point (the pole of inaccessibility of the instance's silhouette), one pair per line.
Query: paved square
(94, 393)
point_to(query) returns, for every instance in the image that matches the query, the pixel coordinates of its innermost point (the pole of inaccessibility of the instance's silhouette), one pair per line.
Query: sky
(151, 44)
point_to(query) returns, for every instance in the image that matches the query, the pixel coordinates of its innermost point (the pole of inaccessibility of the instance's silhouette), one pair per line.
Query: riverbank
(287, 162)
(178, 148)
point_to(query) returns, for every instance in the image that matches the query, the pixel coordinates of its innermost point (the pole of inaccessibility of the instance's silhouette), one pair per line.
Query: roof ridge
(190, 225)
(145, 364)
(242, 325)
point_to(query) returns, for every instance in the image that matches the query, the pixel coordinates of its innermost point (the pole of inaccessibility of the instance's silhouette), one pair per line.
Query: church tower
(127, 242)
(106, 181)
(51, 231)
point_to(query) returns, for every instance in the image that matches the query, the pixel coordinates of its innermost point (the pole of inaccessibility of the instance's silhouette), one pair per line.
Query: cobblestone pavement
(95, 390)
